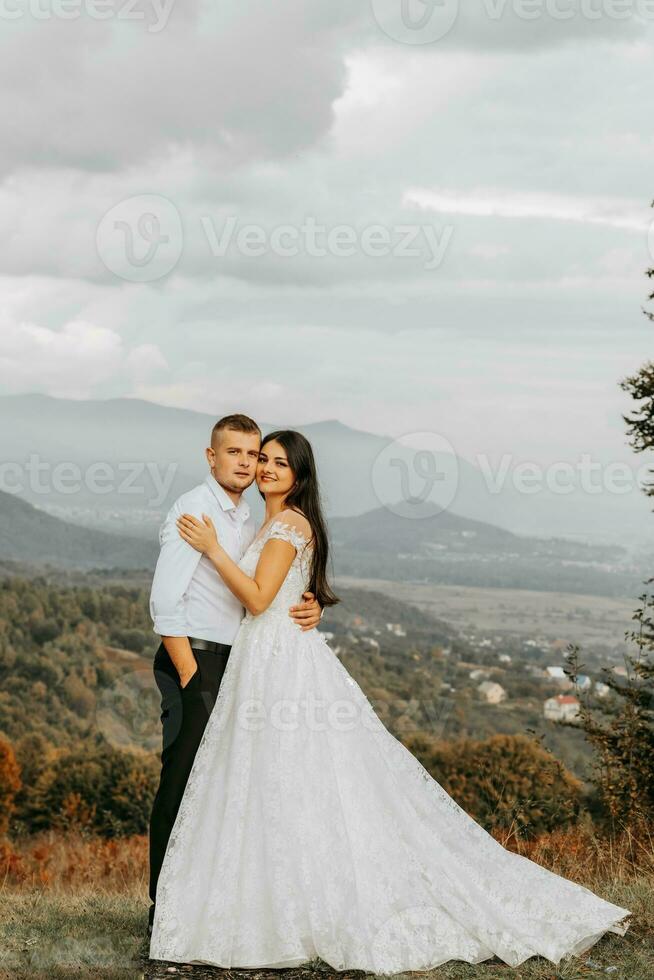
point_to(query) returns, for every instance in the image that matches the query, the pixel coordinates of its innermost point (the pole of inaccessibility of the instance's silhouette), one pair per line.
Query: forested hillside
(79, 709)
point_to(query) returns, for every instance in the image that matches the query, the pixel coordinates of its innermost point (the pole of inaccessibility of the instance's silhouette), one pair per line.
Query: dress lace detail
(306, 829)
(286, 532)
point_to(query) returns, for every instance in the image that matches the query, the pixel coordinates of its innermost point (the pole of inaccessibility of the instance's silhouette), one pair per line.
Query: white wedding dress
(307, 830)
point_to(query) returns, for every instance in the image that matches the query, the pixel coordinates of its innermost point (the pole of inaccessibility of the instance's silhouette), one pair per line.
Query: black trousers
(184, 715)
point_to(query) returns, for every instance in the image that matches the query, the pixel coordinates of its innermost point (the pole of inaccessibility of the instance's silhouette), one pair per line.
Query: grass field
(78, 908)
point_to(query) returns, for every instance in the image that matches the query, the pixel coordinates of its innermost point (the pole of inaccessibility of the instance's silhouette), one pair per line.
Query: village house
(491, 692)
(562, 707)
(396, 629)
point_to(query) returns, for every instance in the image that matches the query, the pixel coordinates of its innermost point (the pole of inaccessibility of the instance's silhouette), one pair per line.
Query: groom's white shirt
(188, 597)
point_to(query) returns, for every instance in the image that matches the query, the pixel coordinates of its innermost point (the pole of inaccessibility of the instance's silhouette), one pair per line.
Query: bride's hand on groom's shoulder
(201, 535)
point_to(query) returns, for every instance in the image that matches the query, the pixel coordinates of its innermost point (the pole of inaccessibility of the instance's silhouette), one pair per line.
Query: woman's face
(274, 475)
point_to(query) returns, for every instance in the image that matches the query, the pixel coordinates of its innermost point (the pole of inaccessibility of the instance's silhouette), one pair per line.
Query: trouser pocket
(196, 679)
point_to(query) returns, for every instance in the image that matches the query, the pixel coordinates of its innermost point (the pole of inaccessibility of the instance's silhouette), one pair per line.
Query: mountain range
(118, 464)
(444, 549)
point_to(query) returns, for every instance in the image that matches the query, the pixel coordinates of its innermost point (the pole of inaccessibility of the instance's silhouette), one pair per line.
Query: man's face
(233, 458)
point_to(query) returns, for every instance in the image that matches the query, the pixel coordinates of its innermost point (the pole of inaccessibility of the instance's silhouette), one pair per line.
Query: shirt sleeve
(175, 569)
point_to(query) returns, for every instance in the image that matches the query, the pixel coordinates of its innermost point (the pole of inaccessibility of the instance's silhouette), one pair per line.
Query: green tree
(640, 424)
(97, 788)
(35, 757)
(621, 727)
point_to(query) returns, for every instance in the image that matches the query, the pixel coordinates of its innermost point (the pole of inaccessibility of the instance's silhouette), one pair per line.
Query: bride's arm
(256, 593)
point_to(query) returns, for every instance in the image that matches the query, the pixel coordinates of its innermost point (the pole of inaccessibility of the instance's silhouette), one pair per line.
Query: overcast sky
(449, 214)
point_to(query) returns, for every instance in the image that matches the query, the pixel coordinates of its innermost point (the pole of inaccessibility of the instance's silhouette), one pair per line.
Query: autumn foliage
(9, 783)
(506, 781)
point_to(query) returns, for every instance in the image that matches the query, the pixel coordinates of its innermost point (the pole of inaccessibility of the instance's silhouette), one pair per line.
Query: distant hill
(453, 550)
(382, 530)
(447, 549)
(30, 535)
(153, 453)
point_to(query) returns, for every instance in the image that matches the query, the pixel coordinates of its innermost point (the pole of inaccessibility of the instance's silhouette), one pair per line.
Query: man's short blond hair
(235, 423)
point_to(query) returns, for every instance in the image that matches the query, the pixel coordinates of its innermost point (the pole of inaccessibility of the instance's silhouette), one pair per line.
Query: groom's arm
(180, 652)
(175, 568)
(308, 614)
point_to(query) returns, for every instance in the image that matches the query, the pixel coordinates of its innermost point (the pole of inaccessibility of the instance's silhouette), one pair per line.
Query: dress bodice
(298, 575)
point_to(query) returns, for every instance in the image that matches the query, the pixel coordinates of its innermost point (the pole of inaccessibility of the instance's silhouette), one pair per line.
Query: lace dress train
(307, 830)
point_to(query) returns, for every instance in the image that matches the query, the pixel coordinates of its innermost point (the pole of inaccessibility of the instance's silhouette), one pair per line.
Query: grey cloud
(234, 82)
(105, 95)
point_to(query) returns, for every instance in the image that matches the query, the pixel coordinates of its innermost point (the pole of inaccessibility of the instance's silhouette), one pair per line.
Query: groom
(197, 617)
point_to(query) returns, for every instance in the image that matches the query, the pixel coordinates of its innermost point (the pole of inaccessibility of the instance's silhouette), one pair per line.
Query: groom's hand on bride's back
(307, 614)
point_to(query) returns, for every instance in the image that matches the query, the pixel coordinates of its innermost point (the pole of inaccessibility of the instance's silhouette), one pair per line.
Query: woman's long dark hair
(305, 497)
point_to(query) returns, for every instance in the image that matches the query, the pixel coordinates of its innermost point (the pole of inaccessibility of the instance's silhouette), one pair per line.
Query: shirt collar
(242, 510)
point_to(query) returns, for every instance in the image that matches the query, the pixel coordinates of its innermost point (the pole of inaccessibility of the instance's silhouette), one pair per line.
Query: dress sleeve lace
(292, 527)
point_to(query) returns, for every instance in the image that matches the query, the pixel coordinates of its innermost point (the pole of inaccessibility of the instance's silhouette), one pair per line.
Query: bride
(306, 829)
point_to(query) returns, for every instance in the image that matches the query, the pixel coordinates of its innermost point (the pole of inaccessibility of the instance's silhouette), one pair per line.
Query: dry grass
(74, 907)
(584, 855)
(64, 862)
